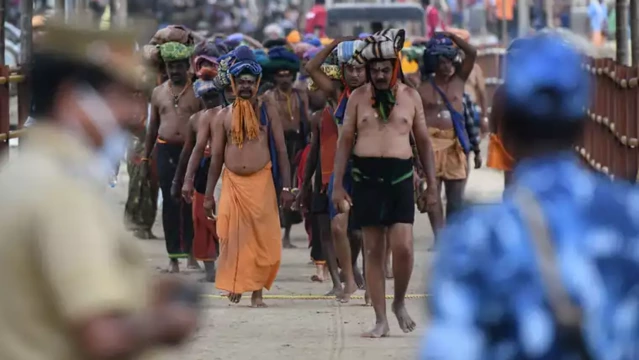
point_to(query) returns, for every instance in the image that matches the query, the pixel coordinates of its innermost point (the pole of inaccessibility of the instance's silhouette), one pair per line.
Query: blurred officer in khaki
(74, 285)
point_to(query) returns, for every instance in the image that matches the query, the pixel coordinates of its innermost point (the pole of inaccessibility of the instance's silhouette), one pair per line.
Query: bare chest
(399, 120)
(182, 104)
(436, 97)
(288, 108)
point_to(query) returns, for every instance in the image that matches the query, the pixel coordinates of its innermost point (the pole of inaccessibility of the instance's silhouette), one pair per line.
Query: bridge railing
(611, 137)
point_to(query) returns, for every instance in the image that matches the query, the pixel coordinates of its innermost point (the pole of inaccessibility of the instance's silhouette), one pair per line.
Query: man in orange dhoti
(254, 154)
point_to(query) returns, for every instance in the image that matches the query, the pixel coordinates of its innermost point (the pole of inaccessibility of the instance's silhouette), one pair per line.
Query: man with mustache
(253, 151)
(204, 240)
(383, 114)
(346, 237)
(172, 104)
(291, 106)
(442, 93)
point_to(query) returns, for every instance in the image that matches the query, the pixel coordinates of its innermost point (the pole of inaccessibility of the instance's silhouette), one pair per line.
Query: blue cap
(544, 79)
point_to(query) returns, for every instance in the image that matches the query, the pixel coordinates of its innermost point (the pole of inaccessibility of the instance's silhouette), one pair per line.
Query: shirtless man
(247, 217)
(204, 242)
(383, 196)
(313, 193)
(291, 107)
(442, 95)
(172, 104)
(346, 237)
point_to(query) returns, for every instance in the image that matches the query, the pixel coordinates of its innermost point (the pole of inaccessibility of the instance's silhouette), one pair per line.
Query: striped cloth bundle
(385, 44)
(346, 49)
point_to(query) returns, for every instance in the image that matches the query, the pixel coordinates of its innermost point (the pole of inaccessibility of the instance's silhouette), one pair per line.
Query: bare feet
(359, 279)
(174, 266)
(405, 322)
(334, 291)
(345, 296)
(234, 298)
(286, 244)
(209, 268)
(192, 264)
(367, 299)
(388, 271)
(144, 234)
(256, 300)
(319, 273)
(380, 330)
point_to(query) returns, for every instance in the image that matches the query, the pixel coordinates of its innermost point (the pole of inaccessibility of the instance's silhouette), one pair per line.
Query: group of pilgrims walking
(247, 139)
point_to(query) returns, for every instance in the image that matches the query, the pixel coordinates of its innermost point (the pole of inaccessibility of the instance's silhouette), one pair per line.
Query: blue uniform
(487, 298)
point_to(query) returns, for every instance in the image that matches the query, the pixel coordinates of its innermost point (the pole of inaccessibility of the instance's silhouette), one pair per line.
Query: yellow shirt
(64, 253)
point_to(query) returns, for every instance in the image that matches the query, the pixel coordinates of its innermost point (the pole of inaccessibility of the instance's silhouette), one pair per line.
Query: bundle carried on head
(281, 58)
(310, 53)
(437, 47)
(441, 45)
(312, 40)
(207, 51)
(332, 71)
(345, 51)
(202, 87)
(222, 80)
(171, 33)
(301, 48)
(383, 45)
(245, 62)
(271, 43)
(175, 51)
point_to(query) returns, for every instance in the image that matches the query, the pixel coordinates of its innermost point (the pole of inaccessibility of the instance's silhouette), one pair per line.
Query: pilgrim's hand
(286, 198)
(209, 208)
(187, 191)
(175, 190)
(477, 160)
(341, 200)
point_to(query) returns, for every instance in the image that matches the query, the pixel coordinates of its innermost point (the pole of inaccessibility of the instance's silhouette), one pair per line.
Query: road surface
(294, 328)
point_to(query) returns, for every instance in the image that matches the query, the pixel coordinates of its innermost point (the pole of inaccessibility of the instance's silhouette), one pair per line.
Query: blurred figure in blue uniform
(490, 299)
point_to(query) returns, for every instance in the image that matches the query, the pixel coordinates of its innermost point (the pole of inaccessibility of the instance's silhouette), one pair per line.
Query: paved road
(308, 329)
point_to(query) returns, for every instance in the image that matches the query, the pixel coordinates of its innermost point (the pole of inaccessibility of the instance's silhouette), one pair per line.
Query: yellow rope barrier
(11, 79)
(12, 134)
(313, 297)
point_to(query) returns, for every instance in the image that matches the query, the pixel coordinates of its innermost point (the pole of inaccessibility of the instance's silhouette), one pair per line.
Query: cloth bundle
(310, 53)
(441, 45)
(281, 58)
(222, 80)
(175, 51)
(345, 50)
(413, 53)
(301, 48)
(312, 40)
(244, 61)
(202, 87)
(385, 44)
(332, 71)
(171, 33)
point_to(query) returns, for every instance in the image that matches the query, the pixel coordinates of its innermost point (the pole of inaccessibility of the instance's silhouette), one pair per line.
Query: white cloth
(385, 44)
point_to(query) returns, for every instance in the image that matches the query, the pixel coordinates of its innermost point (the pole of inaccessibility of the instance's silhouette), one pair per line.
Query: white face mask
(115, 138)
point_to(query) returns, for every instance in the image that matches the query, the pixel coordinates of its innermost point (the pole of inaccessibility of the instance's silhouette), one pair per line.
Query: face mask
(115, 139)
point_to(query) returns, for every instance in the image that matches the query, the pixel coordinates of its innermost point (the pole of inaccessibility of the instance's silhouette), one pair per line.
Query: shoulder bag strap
(567, 314)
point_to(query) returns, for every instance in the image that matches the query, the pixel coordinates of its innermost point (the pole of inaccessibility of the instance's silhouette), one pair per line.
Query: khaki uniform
(64, 253)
